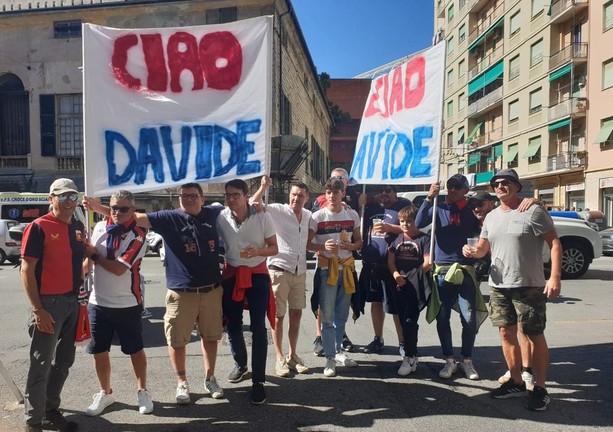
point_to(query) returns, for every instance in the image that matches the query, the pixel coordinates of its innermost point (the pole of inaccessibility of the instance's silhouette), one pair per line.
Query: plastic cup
(472, 242)
(242, 246)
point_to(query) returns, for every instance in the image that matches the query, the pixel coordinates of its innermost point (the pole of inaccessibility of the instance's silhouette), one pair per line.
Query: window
(286, 116)
(514, 111)
(607, 74)
(536, 102)
(450, 140)
(462, 33)
(450, 13)
(537, 8)
(462, 3)
(450, 108)
(510, 157)
(461, 101)
(461, 68)
(460, 134)
(607, 16)
(514, 68)
(449, 77)
(450, 45)
(221, 15)
(536, 53)
(515, 24)
(534, 150)
(70, 124)
(67, 29)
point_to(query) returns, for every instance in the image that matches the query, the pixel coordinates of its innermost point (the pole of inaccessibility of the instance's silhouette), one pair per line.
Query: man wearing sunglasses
(116, 302)
(518, 289)
(193, 280)
(375, 278)
(454, 282)
(52, 251)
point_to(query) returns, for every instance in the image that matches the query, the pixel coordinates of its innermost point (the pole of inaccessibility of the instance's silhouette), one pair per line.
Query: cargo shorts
(525, 306)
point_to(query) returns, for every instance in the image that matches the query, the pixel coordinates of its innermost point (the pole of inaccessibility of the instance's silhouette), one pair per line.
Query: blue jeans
(257, 298)
(51, 356)
(334, 305)
(465, 296)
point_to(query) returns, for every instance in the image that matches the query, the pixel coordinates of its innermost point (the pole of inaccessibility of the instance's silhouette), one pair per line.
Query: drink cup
(376, 224)
(472, 242)
(242, 246)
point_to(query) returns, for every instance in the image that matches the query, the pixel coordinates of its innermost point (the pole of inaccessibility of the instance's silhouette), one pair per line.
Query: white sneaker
(145, 404)
(330, 369)
(211, 387)
(449, 369)
(409, 364)
(342, 360)
(182, 395)
(469, 369)
(101, 401)
(281, 367)
(504, 378)
(528, 379)
(296, 364)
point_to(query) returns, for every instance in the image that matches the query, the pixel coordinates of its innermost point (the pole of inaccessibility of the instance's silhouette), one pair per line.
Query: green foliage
(338, 115)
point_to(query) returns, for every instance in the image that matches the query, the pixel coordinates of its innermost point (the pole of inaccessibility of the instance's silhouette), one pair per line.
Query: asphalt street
(371, 396)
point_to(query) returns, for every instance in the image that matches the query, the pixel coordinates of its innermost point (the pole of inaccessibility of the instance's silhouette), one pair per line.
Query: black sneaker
(538, 399)
(258, 394)
(54, 419)
(375, 346)
(318, 347)
(346, 344)
(237, 374)
(509, 390)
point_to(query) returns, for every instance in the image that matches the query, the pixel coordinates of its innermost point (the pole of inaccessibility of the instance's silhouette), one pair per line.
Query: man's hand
(92, 204)
(44, 321)
(435, 188)
(526, 203)
(265, 182)
(552, 288)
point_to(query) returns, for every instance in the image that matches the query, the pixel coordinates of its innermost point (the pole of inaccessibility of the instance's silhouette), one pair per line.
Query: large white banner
(167, 106)
(400, 133)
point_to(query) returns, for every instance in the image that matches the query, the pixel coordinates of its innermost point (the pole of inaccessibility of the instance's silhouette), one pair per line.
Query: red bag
(84, 332)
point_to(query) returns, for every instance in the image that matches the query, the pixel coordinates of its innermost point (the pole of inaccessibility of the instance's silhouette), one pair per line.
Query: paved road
(370, 396)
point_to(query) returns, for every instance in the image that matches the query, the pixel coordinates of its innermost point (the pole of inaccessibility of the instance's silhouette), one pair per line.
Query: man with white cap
(52, 251)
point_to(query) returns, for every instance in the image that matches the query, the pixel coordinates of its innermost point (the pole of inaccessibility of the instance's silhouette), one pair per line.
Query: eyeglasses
(501, 183)
(190, 196)
(64, 197)
(116, 209)
(233, 196)
(386, 190)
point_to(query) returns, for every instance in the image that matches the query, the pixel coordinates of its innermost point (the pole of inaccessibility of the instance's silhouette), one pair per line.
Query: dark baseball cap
(480, 196)
(458, 180)
(509, 174)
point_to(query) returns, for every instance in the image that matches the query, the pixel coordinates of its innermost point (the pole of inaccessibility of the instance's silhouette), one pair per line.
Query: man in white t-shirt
(116, 303)
(288, 270)
(334, 232)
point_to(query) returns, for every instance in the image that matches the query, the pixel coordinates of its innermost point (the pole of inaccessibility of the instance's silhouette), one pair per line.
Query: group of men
(265, 266)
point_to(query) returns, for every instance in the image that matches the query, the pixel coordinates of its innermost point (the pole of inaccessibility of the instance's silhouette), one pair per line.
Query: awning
(496, 153)
(604, 134)
(559, 124)
(461, 138)
(511, 154)
(485, 78)
(560, 72)
(473, 133)
(473, 158)
(533, 148)
(491, 29)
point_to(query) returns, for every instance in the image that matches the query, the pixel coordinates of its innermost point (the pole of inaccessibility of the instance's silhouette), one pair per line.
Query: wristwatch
(94, 257)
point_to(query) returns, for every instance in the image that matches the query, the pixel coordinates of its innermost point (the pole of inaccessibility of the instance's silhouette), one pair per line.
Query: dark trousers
(406, 304)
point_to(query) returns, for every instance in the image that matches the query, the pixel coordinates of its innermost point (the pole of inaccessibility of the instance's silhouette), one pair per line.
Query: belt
(199, 290)
(276, 268)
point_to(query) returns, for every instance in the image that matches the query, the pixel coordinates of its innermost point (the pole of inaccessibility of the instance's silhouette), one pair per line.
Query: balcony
(486, 23)
(561, 10)
(488, 101)
(566, 161)
(576, 51)
(575, 107)
(440, 9)
(14, 161)
(488, 138)
(484, 177)
(485, 62)
(69, 163)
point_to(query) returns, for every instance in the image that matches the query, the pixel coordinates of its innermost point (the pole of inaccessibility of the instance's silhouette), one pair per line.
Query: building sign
(606, 182)
(167, 106)
(575, 187)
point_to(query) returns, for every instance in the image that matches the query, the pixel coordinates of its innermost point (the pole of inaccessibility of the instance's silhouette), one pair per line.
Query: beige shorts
(184, 309)
(288, 289)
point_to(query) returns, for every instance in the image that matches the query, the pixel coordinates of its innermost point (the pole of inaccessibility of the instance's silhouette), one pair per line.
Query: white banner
(400, 133)
(168, 106)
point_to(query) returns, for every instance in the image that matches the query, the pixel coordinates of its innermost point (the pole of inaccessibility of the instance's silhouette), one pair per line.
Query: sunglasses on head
(117, 209)
(64, 197)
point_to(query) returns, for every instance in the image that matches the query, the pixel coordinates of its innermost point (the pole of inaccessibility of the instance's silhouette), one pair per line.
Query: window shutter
(47, 125)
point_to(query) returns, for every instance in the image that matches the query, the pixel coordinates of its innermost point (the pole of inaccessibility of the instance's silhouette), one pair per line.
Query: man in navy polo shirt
(193, 280)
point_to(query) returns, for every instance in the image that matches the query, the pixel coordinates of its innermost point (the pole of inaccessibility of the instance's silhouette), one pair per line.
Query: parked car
(581, 243)
(154, 242)
(9, 247)
(607, 241)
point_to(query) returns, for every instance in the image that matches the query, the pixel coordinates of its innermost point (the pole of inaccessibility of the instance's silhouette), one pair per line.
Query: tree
(338, 115)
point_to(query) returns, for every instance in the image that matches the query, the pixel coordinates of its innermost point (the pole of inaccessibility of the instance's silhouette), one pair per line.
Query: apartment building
(41, 118)
(525, 89)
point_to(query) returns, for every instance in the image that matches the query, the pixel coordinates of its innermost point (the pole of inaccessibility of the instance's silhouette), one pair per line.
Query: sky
(348, 37)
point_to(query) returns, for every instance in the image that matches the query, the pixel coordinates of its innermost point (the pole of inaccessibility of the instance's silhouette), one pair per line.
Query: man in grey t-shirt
(516, 281)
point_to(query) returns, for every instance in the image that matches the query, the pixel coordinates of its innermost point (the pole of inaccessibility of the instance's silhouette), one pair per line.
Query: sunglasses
(116, 209)
(233, 196)
(501, 183)
(455, 186)
(190, 196)
(64, 197)
(341, 178)
(386, 190)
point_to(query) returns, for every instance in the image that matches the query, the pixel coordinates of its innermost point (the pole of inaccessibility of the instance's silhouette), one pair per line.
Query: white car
(9, 248)
(581, 243)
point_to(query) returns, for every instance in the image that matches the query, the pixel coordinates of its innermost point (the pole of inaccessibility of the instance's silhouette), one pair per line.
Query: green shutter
(533, 148)
(473, 133)
(560, 72)
(473, 158)
(559, 124)
(47, 125)
(485, 78)
(491, 29)
(604, 134)
(511, 154)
